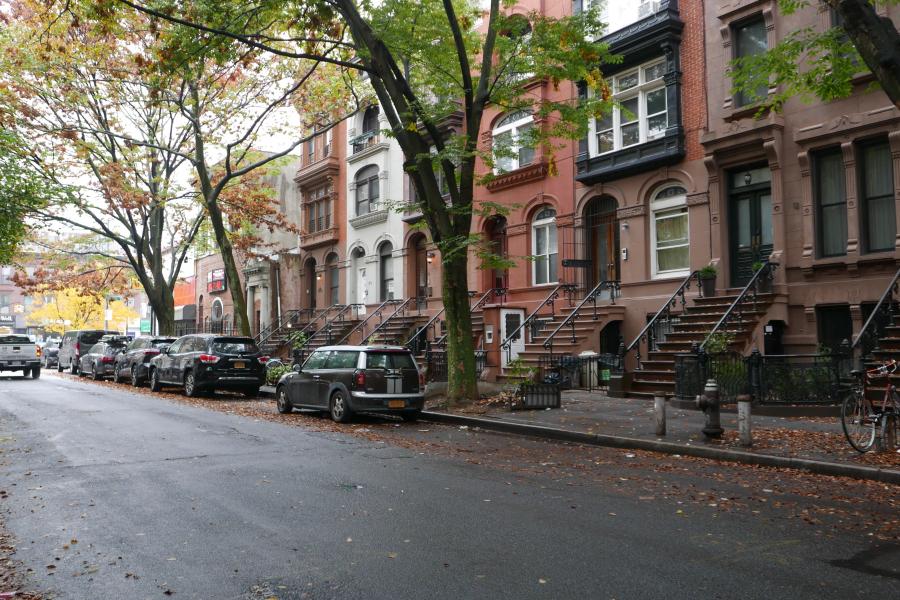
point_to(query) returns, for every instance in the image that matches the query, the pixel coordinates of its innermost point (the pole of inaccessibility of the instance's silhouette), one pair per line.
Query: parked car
(209, 362)
(74, 343)
(347, 379)
(99, 361)
(50, 354)
(134, 363)
(19, 353)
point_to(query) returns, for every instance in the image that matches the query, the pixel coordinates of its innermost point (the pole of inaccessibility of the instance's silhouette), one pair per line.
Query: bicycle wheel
(890, 431)
(858, 421)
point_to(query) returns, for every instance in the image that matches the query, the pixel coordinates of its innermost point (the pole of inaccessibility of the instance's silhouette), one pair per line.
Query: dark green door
(751, 232)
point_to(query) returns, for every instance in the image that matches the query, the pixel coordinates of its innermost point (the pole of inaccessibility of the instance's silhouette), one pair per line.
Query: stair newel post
(702, 362)
(754, 373)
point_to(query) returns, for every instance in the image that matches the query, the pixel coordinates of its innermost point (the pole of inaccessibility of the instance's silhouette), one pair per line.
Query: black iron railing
(587, 371)
(533, 320)
(604, 286)
(436, 364)
(784, 379)
(760, 283)
(664, 316)
(881, 317)
(491, 293)
(289, 318)
(534, 396)
(376, 313)
(398, 311)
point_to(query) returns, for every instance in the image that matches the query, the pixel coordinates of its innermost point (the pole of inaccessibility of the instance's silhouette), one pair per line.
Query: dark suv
(74, 343)
(208, 363)
(348, 379)
(134, 363)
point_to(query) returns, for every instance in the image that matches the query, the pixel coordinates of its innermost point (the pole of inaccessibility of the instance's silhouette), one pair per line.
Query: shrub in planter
(763, 282)
(708, 280)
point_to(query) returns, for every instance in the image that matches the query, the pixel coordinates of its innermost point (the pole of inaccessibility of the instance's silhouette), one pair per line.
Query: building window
(331, 267)
(326, 150)
(641, 112)
(215, 281)
(510, 135)
(834, 325)
(669, 235)
(367, 192)
(831, 203)
(369, 135)
(750, 38)
(543, 246)
(877, 196)
(387, 271)
(318, 209)
(311, 150)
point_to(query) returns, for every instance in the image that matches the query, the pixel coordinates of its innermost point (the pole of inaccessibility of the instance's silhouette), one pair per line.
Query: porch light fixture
(748, 178)
(318, 277)
(429, 257)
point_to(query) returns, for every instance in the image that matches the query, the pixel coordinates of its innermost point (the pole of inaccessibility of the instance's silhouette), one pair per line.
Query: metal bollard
(745, 429)
(709, 404)
(659, 409)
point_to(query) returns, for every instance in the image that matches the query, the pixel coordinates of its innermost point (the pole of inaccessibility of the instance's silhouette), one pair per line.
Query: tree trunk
(232, 275)
(461, 378)
(163, 304)
(877, 41)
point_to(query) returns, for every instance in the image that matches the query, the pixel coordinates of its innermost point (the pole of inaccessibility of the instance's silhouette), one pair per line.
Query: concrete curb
(765, 460)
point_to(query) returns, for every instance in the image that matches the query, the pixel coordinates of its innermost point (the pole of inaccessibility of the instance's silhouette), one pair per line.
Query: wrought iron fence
(532, 396)
(785, 379)
(587, 372)
(436, 364)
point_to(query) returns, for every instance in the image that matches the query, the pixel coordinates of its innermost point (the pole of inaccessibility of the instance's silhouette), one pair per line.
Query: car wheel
(338, 408)
(281, 401)
(59, 368)
(116, 377)
(36, 373)
(94, 375)
(74, 367)
(251, 392)
(134, 377)
(26, 372)
(190, 385)
(411, 416)
(155, 386)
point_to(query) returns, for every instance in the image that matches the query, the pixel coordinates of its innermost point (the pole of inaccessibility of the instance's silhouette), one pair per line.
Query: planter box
(708, 287)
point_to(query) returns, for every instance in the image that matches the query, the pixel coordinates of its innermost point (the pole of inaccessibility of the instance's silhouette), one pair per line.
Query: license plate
(396, 403)
(240, 365)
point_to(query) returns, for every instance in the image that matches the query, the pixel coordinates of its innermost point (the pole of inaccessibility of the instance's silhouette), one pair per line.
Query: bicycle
(861, 419)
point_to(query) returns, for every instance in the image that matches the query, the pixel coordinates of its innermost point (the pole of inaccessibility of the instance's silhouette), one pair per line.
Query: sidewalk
(815, 444)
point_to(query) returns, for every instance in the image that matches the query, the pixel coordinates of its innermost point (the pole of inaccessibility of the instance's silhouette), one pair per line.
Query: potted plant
(708, 280)
(764, 281)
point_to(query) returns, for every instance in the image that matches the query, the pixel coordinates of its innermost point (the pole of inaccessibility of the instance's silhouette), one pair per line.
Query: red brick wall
(693, 68)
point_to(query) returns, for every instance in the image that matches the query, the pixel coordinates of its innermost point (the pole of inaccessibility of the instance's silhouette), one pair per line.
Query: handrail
(286, 317)
(888, 293)
(328, 322)
(590, 297)
(397, 311)
(753, 285)
(423, 329)
(362, 324)
(550, 299)
(481, 302)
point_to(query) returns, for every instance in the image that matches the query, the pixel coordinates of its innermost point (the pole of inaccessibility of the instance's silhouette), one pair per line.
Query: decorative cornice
(317, 172)
(638, 210)
(308, 241)
(368, 152)
(532, 172)
(848, 123)
(378, 216)
(698, 199)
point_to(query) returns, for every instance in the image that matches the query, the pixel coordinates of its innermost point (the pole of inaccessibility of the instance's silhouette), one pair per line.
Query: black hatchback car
(134, 363)
(209, 362)
(348, 379)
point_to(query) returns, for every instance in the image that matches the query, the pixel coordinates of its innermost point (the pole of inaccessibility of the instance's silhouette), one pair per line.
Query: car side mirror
(297, 368)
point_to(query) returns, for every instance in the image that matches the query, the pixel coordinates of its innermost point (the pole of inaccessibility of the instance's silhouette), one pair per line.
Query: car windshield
(234, 346)
(14, 339)
(389, 360)
(91, 337)
(162, 343)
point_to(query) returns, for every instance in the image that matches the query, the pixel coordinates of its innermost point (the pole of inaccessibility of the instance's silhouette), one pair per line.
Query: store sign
(145, 325)
(7, 320)
(215, 280)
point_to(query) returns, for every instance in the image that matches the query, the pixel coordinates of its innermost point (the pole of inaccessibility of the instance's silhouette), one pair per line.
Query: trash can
(589, 373)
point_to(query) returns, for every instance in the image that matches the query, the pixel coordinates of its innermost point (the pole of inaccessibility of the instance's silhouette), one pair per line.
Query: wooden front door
(751, 232)
(602, 243)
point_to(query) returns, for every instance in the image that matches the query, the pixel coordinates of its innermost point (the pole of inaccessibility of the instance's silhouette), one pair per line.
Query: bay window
(641, 112)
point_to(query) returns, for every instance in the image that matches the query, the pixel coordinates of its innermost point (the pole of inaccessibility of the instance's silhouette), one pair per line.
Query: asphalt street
(116, 494)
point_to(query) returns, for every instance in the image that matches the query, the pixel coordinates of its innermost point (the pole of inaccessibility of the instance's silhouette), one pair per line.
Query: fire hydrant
(709, 404)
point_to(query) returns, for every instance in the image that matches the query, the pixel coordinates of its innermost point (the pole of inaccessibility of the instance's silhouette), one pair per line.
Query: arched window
(543, 246)
(367, 191)
(511, 141)
(370, 121)
(217, 310)
(333, 278)
(669, 233)
(387, 271)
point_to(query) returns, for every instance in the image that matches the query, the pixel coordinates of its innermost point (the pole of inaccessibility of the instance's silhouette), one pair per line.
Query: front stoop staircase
(878, 341)
(273, 340)
(656, 373)
(586, 333)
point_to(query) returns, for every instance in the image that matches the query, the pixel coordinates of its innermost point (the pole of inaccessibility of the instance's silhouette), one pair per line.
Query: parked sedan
(348, 379)
(210, 362)
(134, 363)
(50, 354)
(100, 360)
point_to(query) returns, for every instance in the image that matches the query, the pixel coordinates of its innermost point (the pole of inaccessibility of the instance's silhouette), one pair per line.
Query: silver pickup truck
(18, 353)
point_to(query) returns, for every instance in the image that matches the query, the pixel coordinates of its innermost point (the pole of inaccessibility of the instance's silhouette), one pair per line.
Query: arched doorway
(418, 283)
(495, 231)
(216, 316)
(386, 262)
(358, 277)
(334, 282)
(309, 278)
(601, 241)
